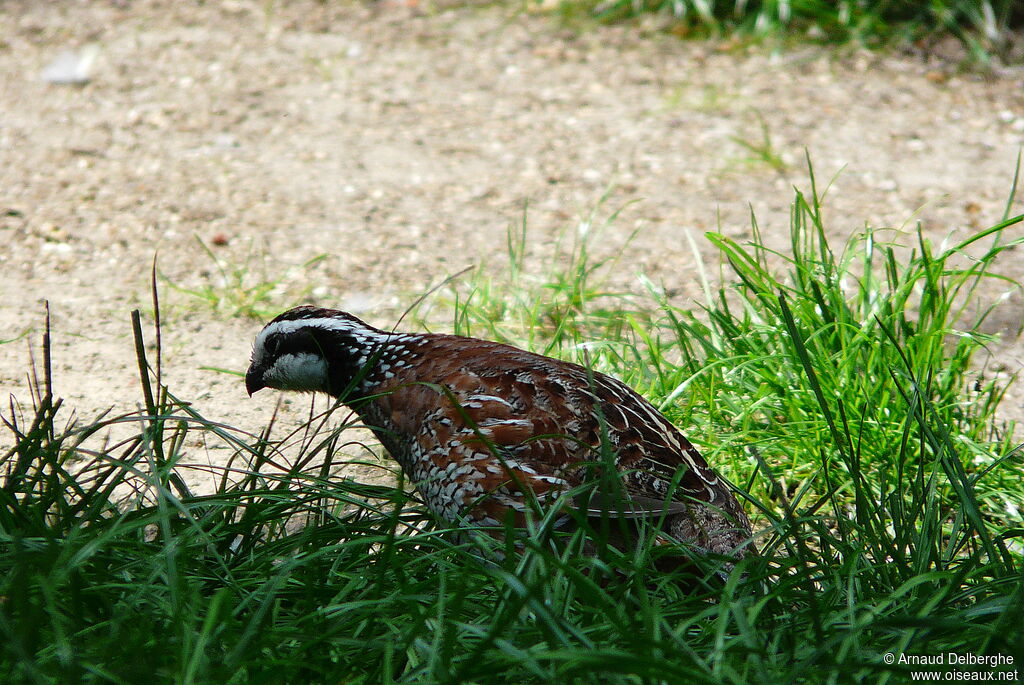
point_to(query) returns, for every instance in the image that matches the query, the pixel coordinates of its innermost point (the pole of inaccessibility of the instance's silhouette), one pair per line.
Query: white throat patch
(303, 371)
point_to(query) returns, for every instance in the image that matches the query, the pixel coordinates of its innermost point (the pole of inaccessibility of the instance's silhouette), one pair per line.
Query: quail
(486, 430)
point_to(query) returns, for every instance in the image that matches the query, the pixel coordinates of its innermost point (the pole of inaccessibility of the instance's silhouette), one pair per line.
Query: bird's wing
(538, 424)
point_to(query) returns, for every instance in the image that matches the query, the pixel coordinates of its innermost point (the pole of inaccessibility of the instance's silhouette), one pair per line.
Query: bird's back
(476, 424)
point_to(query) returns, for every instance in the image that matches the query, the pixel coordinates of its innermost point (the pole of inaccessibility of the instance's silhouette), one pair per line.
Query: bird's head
(311, 349)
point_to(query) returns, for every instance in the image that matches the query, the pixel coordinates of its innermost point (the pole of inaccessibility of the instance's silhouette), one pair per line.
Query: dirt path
(401, 143)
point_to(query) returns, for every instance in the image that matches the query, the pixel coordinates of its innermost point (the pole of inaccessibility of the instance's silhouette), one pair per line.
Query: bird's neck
(360, 363)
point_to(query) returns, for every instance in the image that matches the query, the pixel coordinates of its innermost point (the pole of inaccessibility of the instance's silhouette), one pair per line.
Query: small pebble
(72, 67)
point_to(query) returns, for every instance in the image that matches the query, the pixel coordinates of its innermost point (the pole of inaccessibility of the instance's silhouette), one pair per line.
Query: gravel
(401, 140)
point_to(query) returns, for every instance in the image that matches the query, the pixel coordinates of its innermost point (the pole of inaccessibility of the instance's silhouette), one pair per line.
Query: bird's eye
(271, 345)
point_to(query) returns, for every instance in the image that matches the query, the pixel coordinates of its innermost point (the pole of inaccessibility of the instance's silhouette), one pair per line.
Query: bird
(485, 431)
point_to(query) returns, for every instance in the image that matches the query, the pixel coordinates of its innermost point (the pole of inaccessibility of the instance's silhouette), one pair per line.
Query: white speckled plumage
(478, 425)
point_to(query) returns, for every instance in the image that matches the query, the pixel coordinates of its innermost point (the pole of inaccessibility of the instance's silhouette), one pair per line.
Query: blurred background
(354, 154)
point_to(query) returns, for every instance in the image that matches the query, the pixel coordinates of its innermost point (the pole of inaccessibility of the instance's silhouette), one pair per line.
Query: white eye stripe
(329, 324)
(362, 335)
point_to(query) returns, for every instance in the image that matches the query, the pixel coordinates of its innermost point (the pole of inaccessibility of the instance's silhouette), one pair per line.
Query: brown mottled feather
(544, 418)
(476, 423)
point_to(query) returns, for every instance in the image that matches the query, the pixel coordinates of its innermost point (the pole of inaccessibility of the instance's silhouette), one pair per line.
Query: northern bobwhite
(475, 424)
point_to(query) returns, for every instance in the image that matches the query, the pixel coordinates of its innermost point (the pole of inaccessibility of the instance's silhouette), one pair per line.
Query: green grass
(763, 151)
(987, 28)
(836, 387)
(237, 289)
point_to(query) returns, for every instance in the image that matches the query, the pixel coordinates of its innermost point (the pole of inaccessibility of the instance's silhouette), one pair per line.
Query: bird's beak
(254, 380)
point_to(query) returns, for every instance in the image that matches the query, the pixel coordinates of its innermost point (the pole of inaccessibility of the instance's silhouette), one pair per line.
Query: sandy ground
(402, 141)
